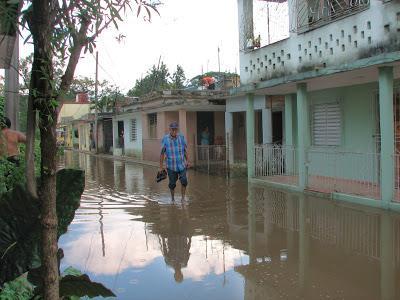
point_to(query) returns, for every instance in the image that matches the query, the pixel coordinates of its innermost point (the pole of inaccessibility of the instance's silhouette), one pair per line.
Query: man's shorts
(173, 177)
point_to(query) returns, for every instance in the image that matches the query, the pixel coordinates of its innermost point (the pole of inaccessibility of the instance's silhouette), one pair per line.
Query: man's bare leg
(172, 195)
(183, 192)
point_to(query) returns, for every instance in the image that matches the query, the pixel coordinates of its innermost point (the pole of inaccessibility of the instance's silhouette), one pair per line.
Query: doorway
(277, 127)
(205, 119)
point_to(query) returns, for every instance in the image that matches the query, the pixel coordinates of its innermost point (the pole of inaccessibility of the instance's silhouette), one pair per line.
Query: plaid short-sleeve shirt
(174, 150)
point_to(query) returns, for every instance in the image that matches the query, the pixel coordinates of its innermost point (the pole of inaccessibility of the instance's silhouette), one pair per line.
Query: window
(326, 124)
(152, 126)
(133, 130)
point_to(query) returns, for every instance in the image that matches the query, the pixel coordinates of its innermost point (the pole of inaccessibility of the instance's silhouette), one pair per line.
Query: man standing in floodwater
(9, 140)
(174, 150)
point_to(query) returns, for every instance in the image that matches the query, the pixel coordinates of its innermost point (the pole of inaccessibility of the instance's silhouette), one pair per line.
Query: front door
(277, 128)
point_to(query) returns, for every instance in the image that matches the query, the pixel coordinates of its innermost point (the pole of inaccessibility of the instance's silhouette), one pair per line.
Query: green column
(289, 133)
(250, 135)
(387, 133)
(303, 132)
(289, 120)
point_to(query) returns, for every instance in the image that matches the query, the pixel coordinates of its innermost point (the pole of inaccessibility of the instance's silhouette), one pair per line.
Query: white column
(267, 125)
(229, 135)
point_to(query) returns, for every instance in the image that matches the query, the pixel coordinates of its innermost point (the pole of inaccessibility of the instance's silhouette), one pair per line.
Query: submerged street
(226, 241)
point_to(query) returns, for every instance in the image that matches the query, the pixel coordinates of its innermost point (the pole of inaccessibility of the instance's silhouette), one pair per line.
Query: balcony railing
(344, 172)
(311, 14)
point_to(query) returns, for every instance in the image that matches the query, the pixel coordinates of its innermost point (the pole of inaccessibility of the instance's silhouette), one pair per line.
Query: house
(337, 76)
(194, 111)
(68, 111)
(127, 130)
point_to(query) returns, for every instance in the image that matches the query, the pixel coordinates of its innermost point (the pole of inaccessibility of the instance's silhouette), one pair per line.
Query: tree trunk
(41, 89)
(48, 199)
(30, 148)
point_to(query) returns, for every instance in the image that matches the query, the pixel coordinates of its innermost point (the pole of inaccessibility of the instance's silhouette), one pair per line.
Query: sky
(187, 33)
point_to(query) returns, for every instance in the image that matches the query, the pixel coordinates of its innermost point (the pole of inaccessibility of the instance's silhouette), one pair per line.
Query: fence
(344, 172)
(211, 158)
(396, 178)
(276, 161)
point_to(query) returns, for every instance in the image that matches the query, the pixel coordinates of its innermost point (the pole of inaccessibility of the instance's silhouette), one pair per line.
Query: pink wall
(145, 127)
(161, 119)
(151, 150)
(191, 122)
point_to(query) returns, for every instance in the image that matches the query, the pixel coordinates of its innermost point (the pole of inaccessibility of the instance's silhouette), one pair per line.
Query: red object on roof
(208, 80)
(82, 98)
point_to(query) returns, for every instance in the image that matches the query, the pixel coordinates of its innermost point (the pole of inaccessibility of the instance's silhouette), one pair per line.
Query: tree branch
(76, 50)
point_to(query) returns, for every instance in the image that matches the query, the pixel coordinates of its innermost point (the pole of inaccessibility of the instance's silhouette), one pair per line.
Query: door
(277, 127)
(108, 135)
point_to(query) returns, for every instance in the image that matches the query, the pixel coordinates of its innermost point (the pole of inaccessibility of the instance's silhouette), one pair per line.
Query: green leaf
(81, 286)
(71, 271)
(20, 229)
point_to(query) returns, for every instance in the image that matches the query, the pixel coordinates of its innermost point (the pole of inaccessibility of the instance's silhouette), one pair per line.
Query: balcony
(327, 39)
(313, 14)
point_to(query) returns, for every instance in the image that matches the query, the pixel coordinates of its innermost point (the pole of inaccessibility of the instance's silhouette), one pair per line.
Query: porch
(328, 171)
(339, 139)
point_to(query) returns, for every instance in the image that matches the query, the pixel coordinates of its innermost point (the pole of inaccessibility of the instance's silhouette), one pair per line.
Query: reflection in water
(329, 251)
(128, 235)
(176, 241)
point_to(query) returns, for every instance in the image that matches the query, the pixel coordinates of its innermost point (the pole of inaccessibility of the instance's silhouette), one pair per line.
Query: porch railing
(275, 161)
(211, 157)
(345, 172)
(396, 177)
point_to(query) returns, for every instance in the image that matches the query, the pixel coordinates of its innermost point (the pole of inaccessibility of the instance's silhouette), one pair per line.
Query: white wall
(132, 148)
(238, 104)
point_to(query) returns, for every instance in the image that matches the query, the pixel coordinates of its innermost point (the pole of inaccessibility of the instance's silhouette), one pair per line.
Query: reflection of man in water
(175, 245)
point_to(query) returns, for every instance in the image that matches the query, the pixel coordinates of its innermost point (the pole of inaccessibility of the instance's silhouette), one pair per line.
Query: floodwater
(226, 241)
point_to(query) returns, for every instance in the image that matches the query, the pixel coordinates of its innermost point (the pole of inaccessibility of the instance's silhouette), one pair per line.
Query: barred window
(133, 130)
(153, 126)
(326, 124)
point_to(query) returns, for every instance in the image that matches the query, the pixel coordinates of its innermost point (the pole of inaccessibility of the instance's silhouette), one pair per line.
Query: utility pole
(11, 88)
(219, 62)
(96, 135)
(269, 35)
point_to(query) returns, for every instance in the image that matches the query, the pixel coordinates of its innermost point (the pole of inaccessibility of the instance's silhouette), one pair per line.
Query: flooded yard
(226, 241)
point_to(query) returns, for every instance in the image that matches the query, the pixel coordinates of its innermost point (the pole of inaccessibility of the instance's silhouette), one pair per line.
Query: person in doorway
(9, 140)
(205, 137)
(174, 151)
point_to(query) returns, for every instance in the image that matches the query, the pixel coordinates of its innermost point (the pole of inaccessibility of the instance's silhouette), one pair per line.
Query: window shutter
(133, 130)
(327, 124)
